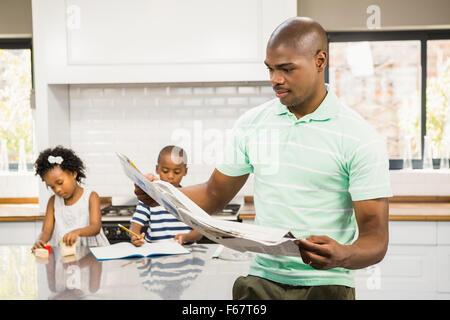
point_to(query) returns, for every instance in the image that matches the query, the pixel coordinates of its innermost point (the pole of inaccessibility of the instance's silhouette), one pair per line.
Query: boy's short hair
(176, 154)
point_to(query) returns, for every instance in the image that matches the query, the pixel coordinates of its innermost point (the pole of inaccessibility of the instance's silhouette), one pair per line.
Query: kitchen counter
(400, 209)
(20, 212)
(195, 276)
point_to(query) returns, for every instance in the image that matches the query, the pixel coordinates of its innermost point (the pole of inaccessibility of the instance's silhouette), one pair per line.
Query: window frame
(421, 35)
(20, 43)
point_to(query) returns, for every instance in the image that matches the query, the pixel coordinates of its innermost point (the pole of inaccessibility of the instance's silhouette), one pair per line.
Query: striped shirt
(162, 225)
(307, 173)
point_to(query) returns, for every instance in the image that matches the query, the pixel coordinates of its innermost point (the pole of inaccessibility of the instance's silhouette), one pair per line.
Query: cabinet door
(406, 272)
(21, 232)
(103, 41)
(443, 272)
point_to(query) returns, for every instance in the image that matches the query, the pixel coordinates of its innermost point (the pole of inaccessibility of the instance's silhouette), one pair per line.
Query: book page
(127, 250)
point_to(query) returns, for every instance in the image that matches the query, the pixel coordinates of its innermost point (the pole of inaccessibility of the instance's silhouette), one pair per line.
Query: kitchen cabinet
(416, 266)
(443, 257)
(143, 41)
(19, 232)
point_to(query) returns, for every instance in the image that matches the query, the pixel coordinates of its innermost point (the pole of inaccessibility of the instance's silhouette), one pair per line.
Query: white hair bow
(57, 159)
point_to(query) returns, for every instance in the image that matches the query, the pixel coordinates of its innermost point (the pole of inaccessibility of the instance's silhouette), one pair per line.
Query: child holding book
(163, 226)
(73, 212)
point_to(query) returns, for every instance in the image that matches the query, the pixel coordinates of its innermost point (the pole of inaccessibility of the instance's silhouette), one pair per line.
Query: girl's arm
(95, 222)
(47, 227)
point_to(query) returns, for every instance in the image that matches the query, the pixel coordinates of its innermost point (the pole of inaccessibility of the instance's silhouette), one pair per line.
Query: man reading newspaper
(325, 175)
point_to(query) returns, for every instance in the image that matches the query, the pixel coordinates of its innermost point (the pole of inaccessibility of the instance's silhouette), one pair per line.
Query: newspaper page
(235, 235)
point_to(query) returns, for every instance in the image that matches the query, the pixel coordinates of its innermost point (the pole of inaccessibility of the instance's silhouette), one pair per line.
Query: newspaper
(235, 235)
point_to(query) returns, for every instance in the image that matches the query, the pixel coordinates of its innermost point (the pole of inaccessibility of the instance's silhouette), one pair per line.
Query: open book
(235, 235)
(123, 250)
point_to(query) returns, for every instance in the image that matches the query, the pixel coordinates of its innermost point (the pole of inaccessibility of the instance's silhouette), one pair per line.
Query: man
(326, 172)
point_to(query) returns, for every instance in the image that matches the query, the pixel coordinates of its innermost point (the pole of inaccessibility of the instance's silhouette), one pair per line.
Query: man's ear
(321, 60)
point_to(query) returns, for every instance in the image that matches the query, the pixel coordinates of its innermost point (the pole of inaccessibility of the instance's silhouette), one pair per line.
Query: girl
(73, 211)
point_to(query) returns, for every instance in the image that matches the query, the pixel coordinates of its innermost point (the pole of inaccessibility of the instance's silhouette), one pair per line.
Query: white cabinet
(142, 41)
(19, 232)
(416, 266)
(443, 258)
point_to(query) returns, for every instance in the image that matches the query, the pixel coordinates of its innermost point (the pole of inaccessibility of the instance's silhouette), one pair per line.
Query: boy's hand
(142, 196)
(191, 236)
(181, 238)
(138, 241)
(38, 244)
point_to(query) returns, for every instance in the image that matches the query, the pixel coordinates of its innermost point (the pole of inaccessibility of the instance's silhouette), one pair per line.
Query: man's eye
(287, 70)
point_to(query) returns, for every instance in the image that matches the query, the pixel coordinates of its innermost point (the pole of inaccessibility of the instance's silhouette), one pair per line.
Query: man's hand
(142, 196)
(322, 252)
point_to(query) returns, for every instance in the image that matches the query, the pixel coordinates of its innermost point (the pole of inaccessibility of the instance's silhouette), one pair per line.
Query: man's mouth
(281, 93)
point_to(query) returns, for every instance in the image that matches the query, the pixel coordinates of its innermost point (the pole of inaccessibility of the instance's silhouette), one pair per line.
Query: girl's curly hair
(71, 162)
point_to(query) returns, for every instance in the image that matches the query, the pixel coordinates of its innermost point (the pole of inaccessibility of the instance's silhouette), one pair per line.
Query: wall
(138, 120)
(15, 18)
(399, 14)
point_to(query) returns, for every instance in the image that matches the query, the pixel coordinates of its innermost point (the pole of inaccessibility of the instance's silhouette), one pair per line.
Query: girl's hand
(138, 241)
(38, 244)
(70, 238)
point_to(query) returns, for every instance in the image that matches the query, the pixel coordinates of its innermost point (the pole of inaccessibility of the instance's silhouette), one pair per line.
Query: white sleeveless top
(75, 216)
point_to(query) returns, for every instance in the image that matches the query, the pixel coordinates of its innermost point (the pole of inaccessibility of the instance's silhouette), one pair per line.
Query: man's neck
(310, 105)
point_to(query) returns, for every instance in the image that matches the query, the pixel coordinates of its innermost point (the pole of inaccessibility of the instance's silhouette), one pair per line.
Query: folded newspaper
(238, 236)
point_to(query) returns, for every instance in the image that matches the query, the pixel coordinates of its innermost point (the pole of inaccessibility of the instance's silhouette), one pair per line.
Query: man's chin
(286, 101)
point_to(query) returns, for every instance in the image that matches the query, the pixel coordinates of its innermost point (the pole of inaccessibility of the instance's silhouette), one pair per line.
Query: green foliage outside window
(16, 121)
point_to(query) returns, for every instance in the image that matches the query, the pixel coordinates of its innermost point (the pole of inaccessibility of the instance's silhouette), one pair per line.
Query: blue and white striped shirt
(162, 225)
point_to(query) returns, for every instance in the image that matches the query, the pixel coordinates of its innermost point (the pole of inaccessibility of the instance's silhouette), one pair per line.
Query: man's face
(293, 76)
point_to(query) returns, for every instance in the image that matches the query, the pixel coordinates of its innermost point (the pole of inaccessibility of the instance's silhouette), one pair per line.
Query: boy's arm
(136, 228)
(191, 236)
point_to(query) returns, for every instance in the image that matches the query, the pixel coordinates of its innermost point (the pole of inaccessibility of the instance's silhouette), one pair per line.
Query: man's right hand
(142, 196)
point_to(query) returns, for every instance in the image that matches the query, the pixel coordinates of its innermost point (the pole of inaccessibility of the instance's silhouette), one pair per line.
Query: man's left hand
(322, 252)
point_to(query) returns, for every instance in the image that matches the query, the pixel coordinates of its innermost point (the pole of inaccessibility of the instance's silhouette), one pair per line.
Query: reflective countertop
(195, 276)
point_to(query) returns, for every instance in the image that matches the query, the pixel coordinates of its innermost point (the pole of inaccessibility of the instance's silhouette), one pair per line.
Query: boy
(163, 226)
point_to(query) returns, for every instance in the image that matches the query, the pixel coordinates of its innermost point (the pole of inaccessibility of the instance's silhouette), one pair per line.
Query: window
(438, 97)
(399, 81)
(16, 120)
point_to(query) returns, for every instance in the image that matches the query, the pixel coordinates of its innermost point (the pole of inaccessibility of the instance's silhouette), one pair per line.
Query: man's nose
(276, 78)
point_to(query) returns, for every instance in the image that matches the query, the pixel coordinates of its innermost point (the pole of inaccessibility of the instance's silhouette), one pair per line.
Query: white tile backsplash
(138, 120)
(15, 185)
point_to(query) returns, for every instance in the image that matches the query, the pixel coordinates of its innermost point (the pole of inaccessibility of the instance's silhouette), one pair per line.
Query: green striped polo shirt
(307, 173)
